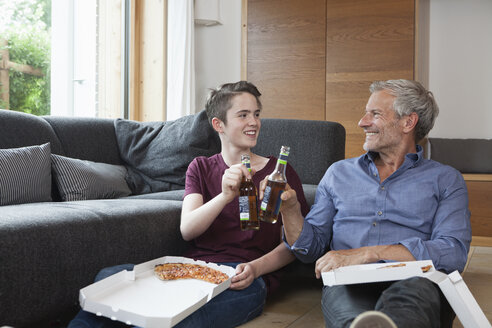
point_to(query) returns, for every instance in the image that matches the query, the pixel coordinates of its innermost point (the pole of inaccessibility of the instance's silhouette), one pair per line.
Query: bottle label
(266, 198)
(282, 159)
(243, 208)
(277, 208)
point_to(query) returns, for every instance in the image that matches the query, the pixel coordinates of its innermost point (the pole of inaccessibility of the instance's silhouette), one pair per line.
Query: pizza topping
(424, 268)
(173, 271)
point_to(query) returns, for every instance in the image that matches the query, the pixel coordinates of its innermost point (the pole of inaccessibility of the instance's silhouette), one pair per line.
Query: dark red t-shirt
(224, 241)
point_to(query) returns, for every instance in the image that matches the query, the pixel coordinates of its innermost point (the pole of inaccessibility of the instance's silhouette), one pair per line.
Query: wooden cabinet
(315, 59)
(286, 42)
(479, 196)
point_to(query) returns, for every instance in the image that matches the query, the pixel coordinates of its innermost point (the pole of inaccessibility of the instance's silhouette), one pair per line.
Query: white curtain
(180, 59)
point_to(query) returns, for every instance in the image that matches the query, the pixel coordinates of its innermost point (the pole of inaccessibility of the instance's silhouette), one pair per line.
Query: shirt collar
(411, 159)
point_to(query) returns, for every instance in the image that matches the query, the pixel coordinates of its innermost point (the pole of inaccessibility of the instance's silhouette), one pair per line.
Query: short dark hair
(219, 99)
(411, 97)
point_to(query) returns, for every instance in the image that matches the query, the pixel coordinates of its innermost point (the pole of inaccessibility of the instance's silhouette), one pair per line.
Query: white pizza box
(374, 272)
(453, 286)
(461, 299)
(139, 298)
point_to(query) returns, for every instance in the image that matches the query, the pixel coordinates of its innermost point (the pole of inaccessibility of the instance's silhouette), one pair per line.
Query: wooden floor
(299, 305)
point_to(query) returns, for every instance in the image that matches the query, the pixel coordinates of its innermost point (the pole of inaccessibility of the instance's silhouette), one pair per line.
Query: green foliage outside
(26, 25)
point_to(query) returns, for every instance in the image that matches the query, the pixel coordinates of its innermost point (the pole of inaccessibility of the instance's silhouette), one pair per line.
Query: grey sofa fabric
(465, 155)
(48, 251)
(86, 138)
(314, 145)
(20, 130)
(158, 153)
(162, 195)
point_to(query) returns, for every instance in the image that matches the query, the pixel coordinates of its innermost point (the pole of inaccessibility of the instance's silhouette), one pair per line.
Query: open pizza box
(453, 286)
(139, 298)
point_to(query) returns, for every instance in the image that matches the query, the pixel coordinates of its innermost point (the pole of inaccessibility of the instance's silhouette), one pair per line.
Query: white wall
(218, 51)
(460, 67)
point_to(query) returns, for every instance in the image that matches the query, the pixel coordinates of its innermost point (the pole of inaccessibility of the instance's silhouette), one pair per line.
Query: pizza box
(453, 286)
(365, 273)
(460, 298)
(139, 298)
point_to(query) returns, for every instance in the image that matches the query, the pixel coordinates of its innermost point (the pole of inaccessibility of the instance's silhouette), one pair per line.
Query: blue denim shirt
(422, 206)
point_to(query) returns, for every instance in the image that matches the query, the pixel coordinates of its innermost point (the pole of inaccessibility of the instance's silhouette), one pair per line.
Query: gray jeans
(415, 302)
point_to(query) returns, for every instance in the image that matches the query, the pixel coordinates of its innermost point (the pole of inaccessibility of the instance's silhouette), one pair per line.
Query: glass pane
(25, 55)
(61, 57)
(86, 58)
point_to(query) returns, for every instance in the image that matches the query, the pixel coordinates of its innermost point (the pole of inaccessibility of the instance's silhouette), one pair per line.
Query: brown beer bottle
(248, 199)
(277, 180)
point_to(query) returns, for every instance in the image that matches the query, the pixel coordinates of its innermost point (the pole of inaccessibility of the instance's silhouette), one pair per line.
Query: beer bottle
(277, 180)
(248, 208)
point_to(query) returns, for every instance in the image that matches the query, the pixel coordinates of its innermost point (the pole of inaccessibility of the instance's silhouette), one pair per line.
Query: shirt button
(380, 213)
(375, 174)
(374, 224)
(382, 187)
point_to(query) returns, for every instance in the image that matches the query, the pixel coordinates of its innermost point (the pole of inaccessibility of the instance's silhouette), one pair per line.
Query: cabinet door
(286, 43)
(367, 40)
(316, 59)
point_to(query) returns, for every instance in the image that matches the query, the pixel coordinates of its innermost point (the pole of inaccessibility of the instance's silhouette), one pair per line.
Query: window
(24, 55)
(64, 57)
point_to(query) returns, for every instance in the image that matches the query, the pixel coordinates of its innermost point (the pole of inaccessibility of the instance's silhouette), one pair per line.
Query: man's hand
(363, 255)
(291, 212)
(340, 258)
(289, 196)
(245, 275)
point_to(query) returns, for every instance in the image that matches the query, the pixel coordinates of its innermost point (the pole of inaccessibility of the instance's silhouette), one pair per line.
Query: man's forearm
(293, 222)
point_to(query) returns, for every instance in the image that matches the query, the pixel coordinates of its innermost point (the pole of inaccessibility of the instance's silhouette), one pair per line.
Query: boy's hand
(244, 277)
(231, 180)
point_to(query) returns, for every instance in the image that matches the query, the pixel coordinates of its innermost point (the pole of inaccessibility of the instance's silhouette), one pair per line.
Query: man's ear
(410, 121)
(217, 124)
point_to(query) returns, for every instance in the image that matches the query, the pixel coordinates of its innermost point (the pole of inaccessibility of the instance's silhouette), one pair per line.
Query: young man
(389, 204)
(210, 216)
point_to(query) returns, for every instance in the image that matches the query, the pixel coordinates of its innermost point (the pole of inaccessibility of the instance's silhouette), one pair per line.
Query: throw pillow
(81, 180)
(157, 154)
(25, 175)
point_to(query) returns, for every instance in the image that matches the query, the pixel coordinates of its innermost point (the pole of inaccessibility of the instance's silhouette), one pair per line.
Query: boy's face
(243, 121)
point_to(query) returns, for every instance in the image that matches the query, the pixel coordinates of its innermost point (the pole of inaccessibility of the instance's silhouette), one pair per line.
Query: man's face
(380, 123)
(243, 121)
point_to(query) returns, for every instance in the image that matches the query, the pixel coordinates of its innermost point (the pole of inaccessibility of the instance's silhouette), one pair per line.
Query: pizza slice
(174, 271)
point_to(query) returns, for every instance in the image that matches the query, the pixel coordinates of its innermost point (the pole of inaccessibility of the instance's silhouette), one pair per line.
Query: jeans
(230, 308)
(414, 302)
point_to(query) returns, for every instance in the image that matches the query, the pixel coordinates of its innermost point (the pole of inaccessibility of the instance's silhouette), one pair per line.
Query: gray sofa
(50, 249)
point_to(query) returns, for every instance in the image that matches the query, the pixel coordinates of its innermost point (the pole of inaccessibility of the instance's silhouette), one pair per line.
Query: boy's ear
(217, 124)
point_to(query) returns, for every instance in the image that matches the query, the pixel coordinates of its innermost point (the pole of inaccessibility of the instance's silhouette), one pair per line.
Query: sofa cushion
(51, 250)
(82, 180)
(162, 195)
(157, 154)
(25, 175)
(465, 155)
(19, 129)
(314, 145)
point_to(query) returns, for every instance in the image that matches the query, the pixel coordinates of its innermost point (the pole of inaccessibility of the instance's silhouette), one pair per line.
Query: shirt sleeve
(451, 231)
(192, 184)
(317, 228)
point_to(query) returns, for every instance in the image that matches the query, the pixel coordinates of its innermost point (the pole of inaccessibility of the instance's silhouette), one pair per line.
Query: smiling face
(243, 122)
(381, 125)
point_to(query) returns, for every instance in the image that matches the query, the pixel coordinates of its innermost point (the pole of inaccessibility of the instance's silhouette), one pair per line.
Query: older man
(389, 204)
